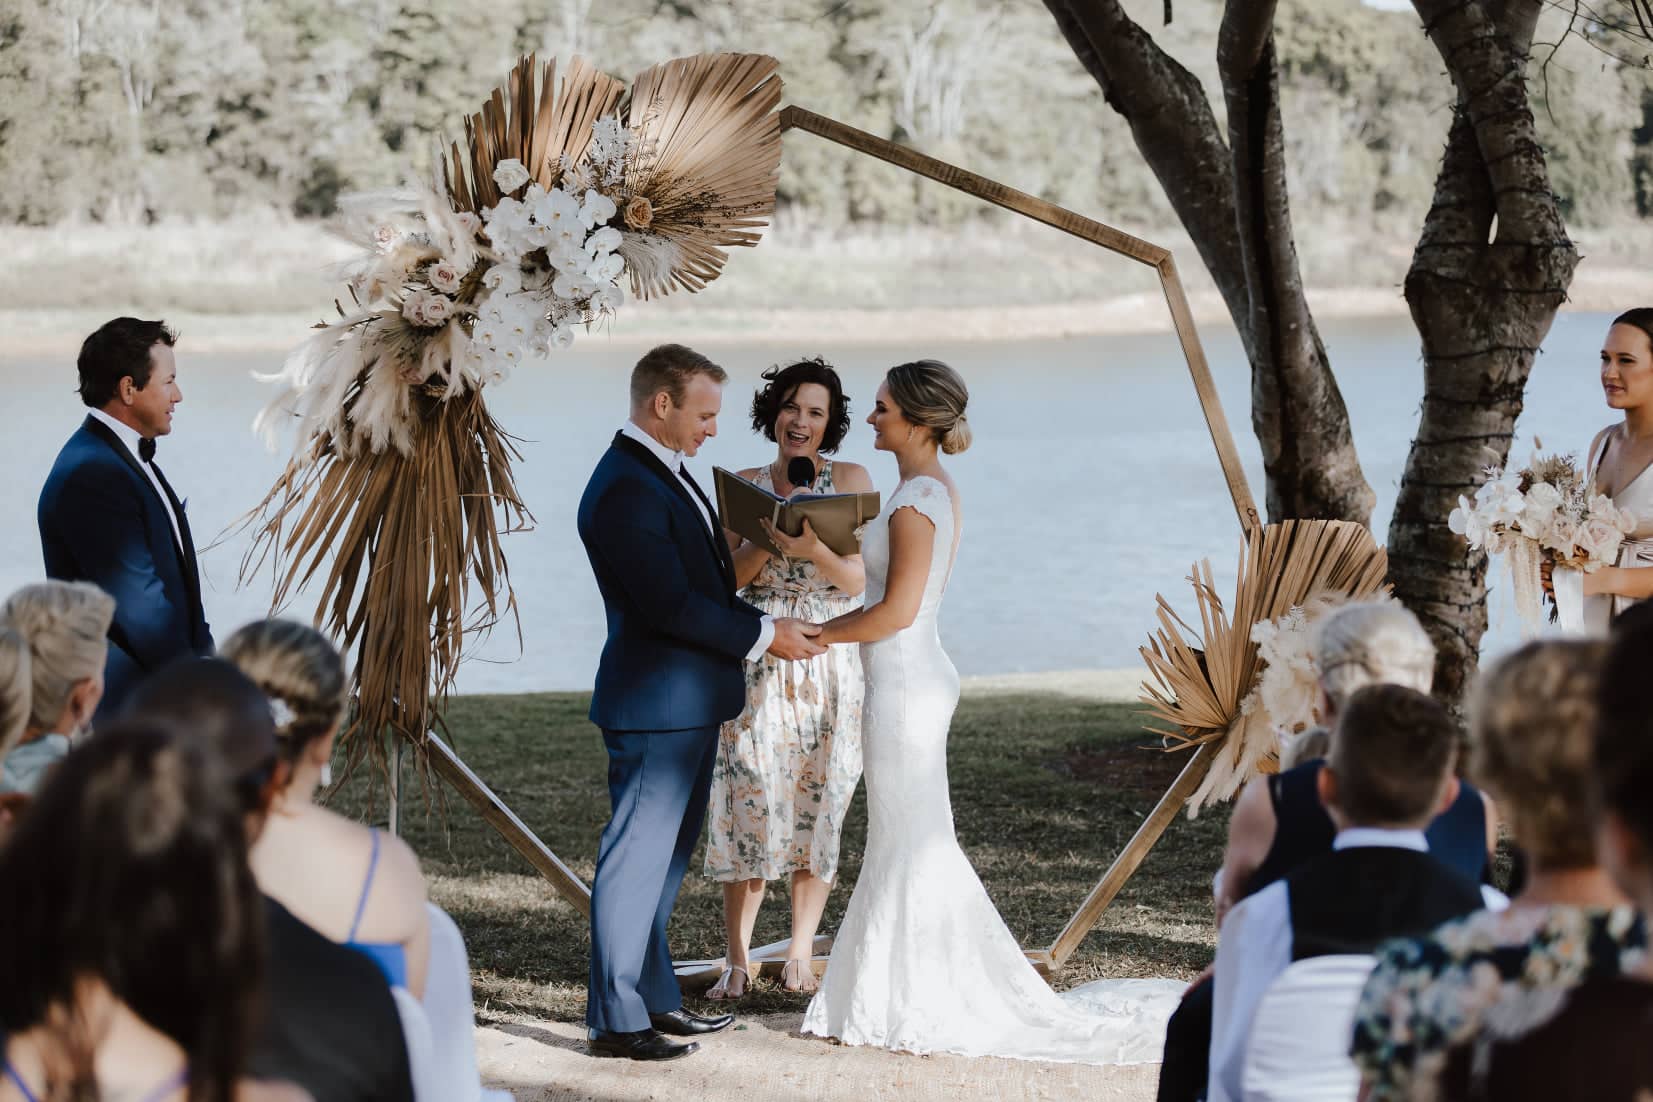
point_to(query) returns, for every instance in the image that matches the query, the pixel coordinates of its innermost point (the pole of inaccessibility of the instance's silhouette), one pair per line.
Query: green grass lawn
(1046, 790)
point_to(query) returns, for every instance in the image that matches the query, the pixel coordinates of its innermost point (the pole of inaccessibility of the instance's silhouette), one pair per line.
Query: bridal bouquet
(1542, 513)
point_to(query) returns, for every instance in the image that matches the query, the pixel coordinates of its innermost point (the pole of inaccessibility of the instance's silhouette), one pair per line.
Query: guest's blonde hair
(66, 625)
(1532, 736)
(302, 673)
(1372, 643)
(14, 688)
(932, 395)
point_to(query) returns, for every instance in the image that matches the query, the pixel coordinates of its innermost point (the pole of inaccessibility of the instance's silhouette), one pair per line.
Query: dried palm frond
(525, 120)
(1204, 688)
(406, 535)
(708, 160)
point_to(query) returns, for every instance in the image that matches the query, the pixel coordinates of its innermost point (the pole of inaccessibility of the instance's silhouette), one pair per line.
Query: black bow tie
(146, 449)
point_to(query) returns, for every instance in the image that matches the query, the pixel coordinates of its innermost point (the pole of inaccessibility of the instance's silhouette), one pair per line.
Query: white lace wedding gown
(922, 961)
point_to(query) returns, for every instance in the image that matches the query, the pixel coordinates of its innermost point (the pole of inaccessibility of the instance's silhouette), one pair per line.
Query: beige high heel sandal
(719, 991)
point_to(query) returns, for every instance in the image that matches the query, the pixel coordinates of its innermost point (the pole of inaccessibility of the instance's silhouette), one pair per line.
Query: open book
(836, 518)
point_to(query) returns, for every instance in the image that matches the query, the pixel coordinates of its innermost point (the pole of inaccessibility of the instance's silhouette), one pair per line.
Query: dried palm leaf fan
(1205, 685)
(401, 483)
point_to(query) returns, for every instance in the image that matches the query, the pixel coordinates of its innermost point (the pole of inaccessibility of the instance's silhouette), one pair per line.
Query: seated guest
(359, 886)
(1279, 822)
(1531, 731)
(64, 624)
(1389, 774)
(14, 713)
(132, 945)
(328, 1022)
(108, 515)
(1592, 1041)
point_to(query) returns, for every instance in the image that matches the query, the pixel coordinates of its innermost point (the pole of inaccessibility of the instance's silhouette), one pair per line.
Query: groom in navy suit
(108, 515)
(670, 674)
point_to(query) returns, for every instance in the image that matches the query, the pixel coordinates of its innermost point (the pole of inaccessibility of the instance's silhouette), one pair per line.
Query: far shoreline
(38, 333)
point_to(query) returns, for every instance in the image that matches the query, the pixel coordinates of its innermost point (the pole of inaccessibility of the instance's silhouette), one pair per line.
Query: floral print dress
(1430, 996)
(788, 765)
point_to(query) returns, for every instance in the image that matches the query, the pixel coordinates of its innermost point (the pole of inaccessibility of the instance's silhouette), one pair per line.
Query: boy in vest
(1388, 774)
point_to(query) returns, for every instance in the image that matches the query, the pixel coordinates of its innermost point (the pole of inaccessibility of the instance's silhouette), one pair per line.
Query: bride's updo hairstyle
(301, 672)
(933, 396)
(1370, 643)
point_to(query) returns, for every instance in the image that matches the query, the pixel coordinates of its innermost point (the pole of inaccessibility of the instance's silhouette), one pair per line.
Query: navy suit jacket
(101, 521)
(677, 634)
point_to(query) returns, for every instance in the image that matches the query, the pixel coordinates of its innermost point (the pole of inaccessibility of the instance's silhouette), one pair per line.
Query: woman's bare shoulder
(851, 477)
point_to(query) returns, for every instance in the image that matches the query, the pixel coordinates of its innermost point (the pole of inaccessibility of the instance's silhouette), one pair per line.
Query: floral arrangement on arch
(557, 202)
(1543, 513)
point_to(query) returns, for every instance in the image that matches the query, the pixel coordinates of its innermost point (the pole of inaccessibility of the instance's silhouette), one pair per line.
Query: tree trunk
(1231, 198)
(1297, 410)
(1491, 268)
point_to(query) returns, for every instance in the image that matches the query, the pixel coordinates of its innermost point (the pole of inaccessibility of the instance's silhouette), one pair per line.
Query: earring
(327, 774)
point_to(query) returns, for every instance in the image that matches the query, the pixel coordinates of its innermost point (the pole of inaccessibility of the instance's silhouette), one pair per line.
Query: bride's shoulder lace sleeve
(927, 496)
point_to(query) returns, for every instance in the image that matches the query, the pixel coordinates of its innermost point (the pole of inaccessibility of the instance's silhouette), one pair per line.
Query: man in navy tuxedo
(671, 672)
(108, 516)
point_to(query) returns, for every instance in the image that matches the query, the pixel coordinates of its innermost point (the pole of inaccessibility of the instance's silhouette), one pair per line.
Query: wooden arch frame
(1051, 958)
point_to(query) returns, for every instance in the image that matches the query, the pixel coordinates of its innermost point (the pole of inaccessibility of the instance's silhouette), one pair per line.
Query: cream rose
(445, 276)
(639, 212)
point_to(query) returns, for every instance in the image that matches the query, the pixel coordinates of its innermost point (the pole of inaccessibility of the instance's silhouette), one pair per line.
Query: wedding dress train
(922, 961)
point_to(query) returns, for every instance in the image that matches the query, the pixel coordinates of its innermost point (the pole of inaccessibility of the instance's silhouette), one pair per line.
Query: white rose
(413, 307)
(1599, 539)
(445, 276)
(1561, 535)
(510, 174)
(1500, 502)
(384, 236)
(469, 222)
(438, 309)
(1539, 508)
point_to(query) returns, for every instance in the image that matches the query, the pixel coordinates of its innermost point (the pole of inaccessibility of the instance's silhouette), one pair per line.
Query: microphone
(800, 472)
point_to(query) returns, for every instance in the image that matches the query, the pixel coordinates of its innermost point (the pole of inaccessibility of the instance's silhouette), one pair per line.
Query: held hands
(805, 545)
(795, 639)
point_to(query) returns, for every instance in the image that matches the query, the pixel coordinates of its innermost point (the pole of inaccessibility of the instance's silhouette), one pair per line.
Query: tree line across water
(133, 110)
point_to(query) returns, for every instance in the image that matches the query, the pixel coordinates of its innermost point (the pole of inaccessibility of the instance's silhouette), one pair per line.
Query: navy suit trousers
(659, 783)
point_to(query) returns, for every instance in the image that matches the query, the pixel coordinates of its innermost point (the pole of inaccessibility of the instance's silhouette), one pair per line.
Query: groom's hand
(795, 639)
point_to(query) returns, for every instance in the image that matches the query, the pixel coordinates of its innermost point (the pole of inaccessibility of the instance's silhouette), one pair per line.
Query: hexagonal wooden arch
(1048, 959)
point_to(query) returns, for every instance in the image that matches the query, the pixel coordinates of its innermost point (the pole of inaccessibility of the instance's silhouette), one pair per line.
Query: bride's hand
(805, 545)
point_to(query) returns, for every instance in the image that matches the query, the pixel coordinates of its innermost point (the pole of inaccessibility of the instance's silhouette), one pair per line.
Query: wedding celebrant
(108, 515)
(671, 673)
(787, 767)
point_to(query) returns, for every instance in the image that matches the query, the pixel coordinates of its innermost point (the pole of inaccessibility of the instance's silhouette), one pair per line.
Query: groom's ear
(661, 403)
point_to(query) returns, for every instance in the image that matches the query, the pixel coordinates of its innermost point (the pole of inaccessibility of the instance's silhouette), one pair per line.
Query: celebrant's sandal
(719, 991)
(805, 986)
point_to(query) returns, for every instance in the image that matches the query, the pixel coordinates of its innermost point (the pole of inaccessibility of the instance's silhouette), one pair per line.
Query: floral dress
(1430, 996)
(788, 765)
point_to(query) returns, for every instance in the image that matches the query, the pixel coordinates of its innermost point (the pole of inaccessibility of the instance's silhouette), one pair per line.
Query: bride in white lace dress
(922, 961)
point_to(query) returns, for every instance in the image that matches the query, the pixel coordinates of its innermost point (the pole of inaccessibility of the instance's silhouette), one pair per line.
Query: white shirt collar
(124, 432)
(671, 458)
(1364, 837)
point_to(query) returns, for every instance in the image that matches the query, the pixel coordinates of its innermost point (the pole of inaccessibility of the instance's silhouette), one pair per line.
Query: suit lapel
(720, 548)
(186, 553)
